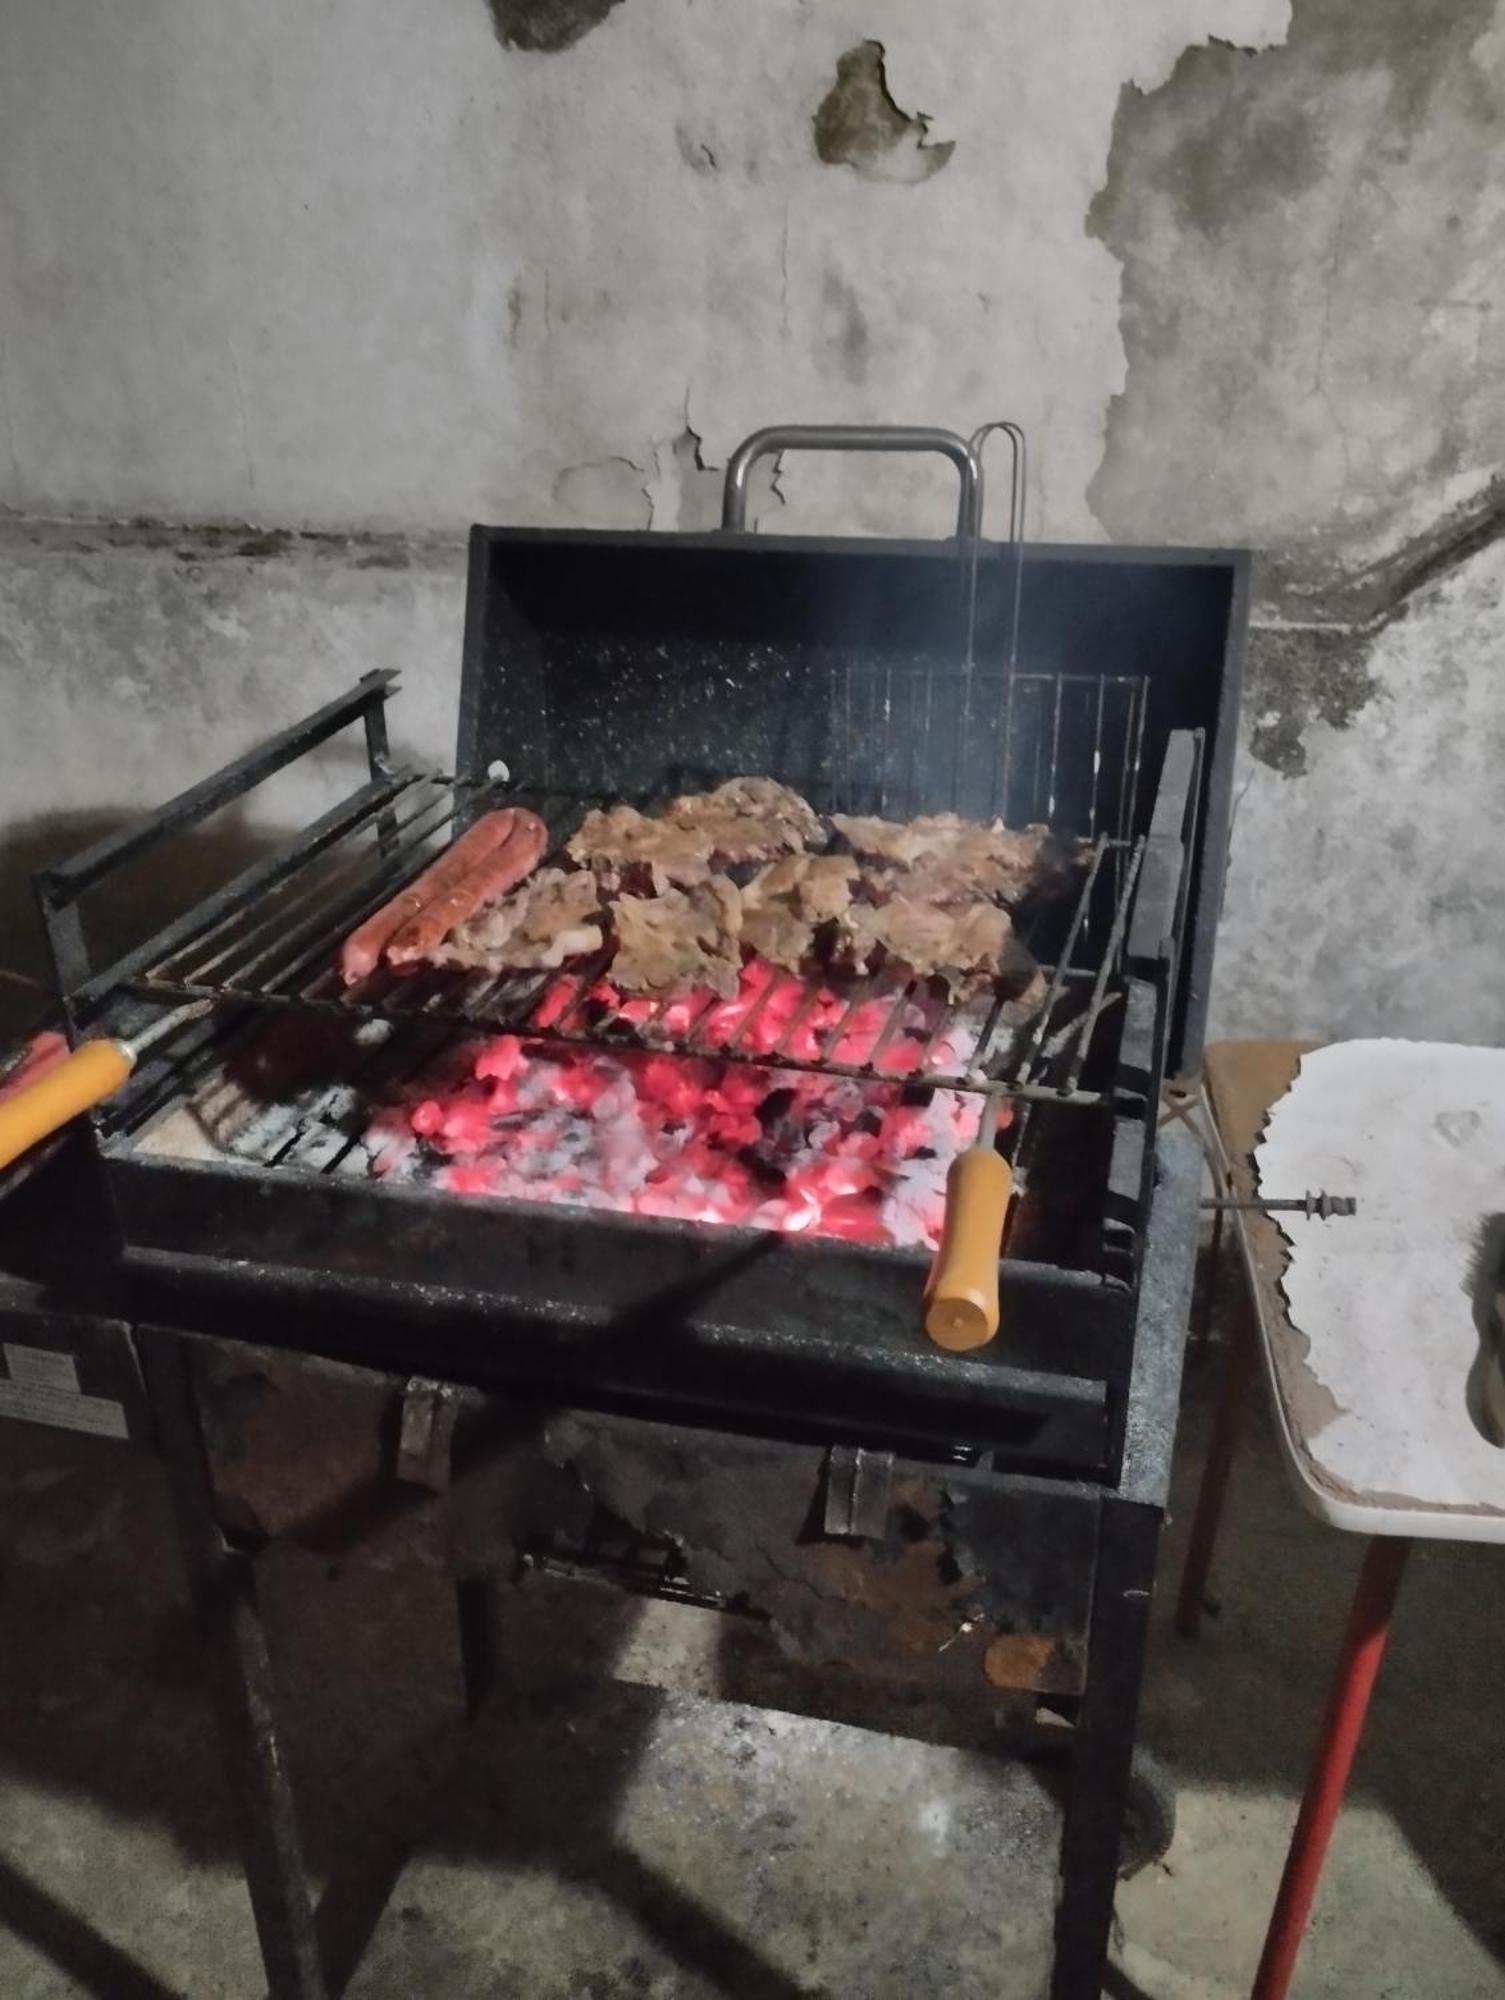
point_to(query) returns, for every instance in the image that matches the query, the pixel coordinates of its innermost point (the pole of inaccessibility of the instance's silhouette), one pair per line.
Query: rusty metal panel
(953, 1562)
(307, 1449)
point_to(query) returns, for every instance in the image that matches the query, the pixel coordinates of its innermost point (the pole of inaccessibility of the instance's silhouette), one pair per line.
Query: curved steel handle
(854, 437)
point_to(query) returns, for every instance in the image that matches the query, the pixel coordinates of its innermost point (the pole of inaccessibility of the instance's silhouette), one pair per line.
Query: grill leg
(1201, 1328)
(222, 1585)
(1235, 1388)
(1104, 1746)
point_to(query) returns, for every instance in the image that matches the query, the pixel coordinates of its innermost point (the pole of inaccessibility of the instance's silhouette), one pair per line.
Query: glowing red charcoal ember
(465, 1126)
(694, 1139)
(501, 1058)
(905, 1129)
(723, 1020)
(854, 1218)
(861, 1033)
(582, 1084)
(900, 1057)
(680, 1015)
(556, 1003)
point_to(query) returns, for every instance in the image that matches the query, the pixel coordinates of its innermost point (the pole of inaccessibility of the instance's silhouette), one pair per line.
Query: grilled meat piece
(949, 860)
(679, 939)
(555, 917)
(749, 819)
(967, 948)
(744, 820)
(624, 844)
(784, 903)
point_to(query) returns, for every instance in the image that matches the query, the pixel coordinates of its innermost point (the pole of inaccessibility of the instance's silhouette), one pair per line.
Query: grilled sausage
(491, 877)
(362, 951)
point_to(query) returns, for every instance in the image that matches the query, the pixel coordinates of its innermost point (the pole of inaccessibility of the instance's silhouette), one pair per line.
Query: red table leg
(1235, 1386)
(1358, 1666)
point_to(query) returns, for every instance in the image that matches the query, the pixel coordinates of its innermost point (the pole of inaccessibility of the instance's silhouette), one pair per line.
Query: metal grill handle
(855, 437)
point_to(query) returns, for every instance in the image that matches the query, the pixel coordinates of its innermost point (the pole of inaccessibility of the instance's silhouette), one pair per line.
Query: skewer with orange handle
(92, 1072)
(961, 1298)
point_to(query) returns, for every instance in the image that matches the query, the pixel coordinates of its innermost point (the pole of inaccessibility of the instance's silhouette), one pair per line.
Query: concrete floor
(629, 1836)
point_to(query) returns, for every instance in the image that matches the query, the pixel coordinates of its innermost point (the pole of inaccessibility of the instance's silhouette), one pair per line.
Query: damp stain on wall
(1315, 358)
(1294, 678)
(858, 125)
(546, 26)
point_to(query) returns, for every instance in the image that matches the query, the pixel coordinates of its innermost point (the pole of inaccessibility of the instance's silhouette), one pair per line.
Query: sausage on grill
(362, 951)
(491, 877)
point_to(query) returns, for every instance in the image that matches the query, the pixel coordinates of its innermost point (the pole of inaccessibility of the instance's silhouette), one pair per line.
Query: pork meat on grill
(786, 902)
(555, 917)
(967, 948)
(942, 858)
(745, 820)
(679, 939)
(749, 819)
(624, 845)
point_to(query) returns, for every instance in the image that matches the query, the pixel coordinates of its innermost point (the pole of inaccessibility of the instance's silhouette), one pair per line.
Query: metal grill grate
(1066, 750)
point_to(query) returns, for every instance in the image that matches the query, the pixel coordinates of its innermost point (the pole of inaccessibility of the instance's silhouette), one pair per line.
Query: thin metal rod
(1055, 753)
(292, 893)
(417, 1051)
(889, 1029)
(862, 1072)
(733, 1044)
(1138, 702)
(1024, 1067)
(886, 736)
(1106, 965)
(315, 939)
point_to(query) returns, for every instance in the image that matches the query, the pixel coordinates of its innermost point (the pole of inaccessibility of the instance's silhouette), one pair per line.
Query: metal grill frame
(273, 940)
(307, 1236)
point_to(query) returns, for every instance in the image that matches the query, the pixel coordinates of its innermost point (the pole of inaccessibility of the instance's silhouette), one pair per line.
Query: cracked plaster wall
(380, 270)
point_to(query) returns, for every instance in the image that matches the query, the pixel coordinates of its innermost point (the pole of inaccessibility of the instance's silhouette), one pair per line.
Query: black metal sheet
(624, 662)
(615, 1305)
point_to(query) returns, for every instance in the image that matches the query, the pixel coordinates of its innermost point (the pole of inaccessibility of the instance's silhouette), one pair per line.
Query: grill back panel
(636, 664)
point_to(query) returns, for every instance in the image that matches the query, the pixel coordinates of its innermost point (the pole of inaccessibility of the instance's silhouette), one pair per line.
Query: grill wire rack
(275, 943)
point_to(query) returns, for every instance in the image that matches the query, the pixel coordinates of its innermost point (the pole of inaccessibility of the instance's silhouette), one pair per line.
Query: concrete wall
(362, 272)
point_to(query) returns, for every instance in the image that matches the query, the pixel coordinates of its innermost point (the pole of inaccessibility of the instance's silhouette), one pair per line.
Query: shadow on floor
(1241, 1705)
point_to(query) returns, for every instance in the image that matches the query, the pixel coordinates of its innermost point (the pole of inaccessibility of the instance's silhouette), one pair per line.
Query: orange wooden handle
(93, 1072)
(961, 1299)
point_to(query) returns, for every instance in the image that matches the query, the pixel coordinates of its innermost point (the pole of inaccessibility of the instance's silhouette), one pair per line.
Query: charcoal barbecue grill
(1094, 689)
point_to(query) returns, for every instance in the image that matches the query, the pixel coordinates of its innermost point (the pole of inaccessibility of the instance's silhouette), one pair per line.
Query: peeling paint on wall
(1295, 677)
(859, 125)
(608, 493)
(1368, 596)
(685, 492)
(1368, 898)
(1309, 238)
(546, 26)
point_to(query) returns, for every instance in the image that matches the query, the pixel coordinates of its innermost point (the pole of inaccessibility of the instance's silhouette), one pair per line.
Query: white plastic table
(1375, 1344)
